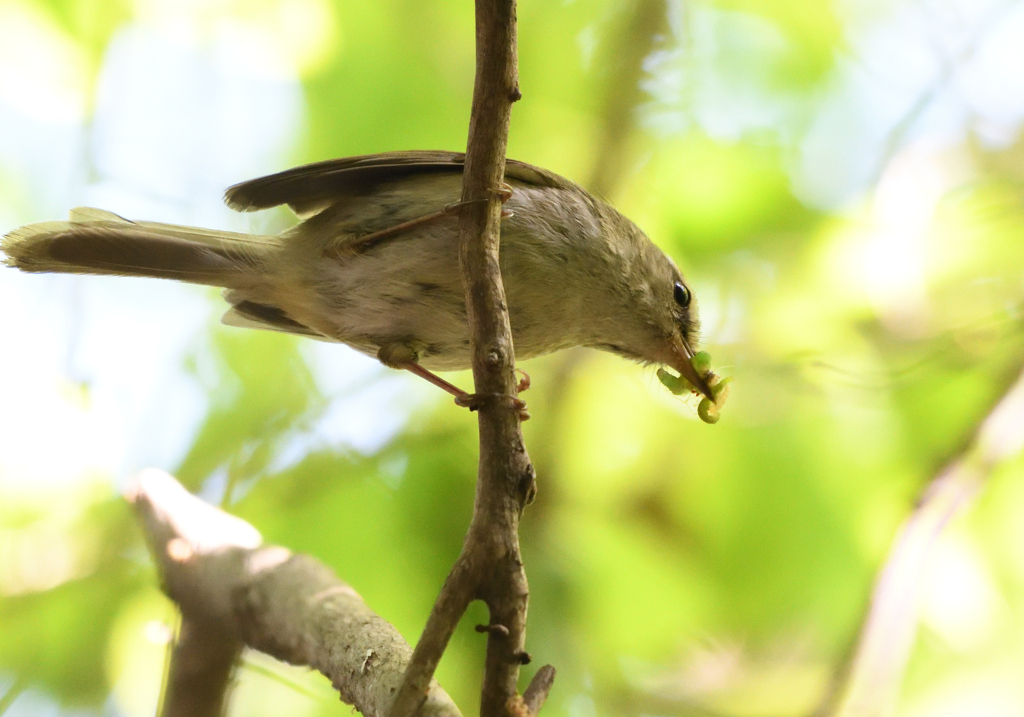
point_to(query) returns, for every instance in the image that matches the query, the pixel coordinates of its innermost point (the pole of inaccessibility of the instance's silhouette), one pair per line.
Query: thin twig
(451, 604)
(1006, 381)
(490, 567)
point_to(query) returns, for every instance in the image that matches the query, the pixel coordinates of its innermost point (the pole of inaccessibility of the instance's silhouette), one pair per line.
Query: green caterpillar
(706, 409)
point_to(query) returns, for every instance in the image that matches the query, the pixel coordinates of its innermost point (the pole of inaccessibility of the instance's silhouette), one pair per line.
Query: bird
(373, 262)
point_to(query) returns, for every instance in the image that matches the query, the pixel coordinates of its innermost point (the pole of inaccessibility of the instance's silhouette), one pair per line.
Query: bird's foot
(475, 401)
(472, 401)
(524, 382)
(504, 192)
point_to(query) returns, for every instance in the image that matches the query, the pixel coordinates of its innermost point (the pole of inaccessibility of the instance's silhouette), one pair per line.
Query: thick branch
(233, 591)
(490, 567)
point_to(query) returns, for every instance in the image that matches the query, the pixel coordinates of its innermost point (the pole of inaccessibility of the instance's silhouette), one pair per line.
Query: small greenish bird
(374, 264)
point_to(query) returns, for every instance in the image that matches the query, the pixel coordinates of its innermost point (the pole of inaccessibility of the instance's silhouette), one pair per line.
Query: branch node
(523, 657)
(515, 95)
(493, 629)
(517, 708)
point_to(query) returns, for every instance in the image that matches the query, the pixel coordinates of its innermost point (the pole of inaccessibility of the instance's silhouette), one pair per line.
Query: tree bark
(234, 592)
(490, 567)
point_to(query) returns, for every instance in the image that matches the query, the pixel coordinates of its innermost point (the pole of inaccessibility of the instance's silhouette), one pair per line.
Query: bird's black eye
(681, 294)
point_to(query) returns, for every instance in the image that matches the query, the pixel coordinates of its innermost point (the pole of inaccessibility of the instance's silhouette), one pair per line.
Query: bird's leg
(415, 368)
(367, 241)
(472, 401)
(402, 355)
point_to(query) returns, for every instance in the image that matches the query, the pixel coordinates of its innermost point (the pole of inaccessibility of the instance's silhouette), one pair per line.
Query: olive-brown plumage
(576, 272)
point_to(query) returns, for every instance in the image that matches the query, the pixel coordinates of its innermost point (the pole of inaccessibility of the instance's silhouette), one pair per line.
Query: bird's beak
(683, 354)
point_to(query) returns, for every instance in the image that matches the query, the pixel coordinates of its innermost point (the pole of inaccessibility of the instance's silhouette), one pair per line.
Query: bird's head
(655, 316)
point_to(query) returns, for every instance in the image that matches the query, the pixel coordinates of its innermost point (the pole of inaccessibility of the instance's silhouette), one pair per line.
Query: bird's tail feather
(93, 241)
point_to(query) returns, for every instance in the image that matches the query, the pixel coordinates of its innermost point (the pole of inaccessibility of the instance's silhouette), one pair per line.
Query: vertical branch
(505, 475)
(490, 567)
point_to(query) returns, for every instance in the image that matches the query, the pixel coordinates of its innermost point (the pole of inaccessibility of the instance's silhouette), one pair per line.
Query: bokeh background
(842, 181)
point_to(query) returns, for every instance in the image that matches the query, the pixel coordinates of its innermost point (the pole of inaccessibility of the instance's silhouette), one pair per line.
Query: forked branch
(490, 567)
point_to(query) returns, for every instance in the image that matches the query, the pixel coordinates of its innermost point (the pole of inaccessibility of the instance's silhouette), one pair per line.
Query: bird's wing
(310, 188)
(253, 315)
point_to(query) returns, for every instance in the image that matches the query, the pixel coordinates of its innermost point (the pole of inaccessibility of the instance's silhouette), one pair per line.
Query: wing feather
(253, 315)
(312, 187)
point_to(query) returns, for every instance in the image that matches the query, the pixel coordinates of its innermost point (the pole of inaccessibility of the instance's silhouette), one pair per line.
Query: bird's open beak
(682, 364)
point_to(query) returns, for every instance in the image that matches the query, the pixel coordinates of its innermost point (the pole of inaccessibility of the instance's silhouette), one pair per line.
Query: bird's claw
(475, 401)
(524, 382)
(503, 190)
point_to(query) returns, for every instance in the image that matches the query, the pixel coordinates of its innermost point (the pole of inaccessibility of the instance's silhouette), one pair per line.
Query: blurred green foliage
(675, 568)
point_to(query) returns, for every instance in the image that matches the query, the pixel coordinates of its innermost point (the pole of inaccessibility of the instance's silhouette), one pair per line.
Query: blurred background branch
(641, 26)
(11, 693)
(877, 671)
